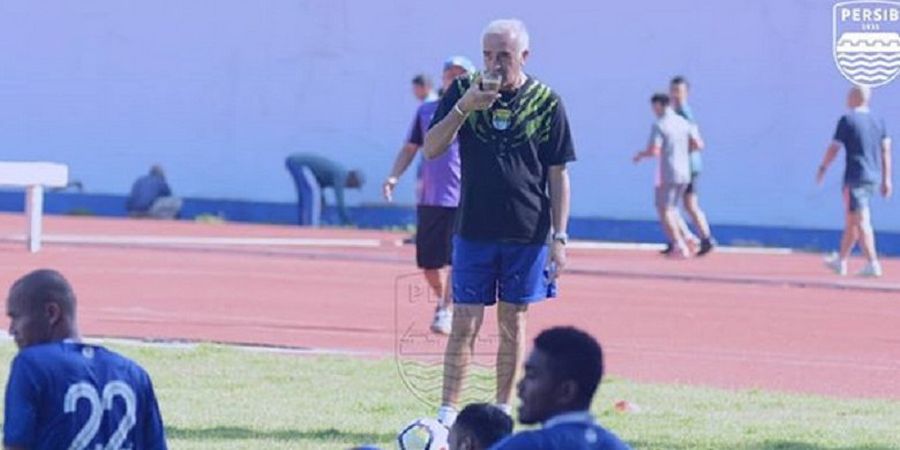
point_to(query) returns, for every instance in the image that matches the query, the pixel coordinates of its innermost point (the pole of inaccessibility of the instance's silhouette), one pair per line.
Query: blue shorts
(856, 196)
(487, 271)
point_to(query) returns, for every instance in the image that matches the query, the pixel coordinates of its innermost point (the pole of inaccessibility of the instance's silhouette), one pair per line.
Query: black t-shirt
(505, 153)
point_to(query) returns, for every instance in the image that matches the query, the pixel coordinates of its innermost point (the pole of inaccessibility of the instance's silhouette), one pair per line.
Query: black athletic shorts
(434, 236)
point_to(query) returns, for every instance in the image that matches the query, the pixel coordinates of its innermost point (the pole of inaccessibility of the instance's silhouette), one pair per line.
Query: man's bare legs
(511, 352)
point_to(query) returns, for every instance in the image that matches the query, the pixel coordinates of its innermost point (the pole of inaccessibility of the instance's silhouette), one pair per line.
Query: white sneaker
(872, 269)
(447, 415)
(836, 264)
(680, 252)
(443, 321)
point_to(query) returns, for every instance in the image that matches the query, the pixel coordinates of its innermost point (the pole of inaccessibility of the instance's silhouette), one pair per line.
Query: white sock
(447, 415)
(505, 407)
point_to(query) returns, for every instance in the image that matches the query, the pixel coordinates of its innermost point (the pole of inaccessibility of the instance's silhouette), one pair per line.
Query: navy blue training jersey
(68, 395)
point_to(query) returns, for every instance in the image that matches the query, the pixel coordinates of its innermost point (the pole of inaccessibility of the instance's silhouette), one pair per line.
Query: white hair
(514, 28)
(865, 93)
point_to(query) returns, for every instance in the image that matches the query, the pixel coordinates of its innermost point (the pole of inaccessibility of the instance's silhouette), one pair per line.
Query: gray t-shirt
(673, 134)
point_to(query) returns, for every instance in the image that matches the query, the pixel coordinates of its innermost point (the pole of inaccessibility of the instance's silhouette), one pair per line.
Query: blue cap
(459, 61)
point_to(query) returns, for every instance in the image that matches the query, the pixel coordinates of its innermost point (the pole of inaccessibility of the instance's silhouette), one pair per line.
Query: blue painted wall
(220, 91)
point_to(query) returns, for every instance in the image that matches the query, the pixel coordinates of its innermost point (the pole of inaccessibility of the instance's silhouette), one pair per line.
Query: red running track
(776, 322)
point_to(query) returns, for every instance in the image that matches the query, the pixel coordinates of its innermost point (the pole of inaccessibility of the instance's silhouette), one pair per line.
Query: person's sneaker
(836, 264)
(443, 321)
(668, 250)
(872, 269)
(679, 252)
(706, 246)
(447, 415)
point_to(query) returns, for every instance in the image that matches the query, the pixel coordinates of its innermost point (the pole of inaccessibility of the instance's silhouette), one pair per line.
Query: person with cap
(437, 198)
(423, 88)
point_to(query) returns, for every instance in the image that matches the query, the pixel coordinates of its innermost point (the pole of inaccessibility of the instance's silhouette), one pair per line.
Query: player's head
(157, 170)
(561, 374)
(454, 67)
(678, 90)
(421, 86)
(355, 179)
(505, 45)
(41, 308)
(479, 426)
(859, 96)
(659, 103)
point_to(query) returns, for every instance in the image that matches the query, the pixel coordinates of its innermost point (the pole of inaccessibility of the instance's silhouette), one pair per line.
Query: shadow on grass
(240, 433)
(788, 445)
(767, 445)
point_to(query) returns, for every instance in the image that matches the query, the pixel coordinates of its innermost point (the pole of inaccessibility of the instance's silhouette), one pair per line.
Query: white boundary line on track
(342, 242)
(206, 241)
(595, 245)
(175, 344)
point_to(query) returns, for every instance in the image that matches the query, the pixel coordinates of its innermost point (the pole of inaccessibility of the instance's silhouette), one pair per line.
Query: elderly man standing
(868, 154)
(514, 143)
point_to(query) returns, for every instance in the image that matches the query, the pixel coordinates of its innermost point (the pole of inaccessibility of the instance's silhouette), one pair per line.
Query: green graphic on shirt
(527, 117)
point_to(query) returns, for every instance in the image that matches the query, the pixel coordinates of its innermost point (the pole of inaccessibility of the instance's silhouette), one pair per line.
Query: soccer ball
(424, 434)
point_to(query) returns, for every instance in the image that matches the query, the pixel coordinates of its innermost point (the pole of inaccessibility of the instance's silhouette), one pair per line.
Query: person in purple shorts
(438, 198)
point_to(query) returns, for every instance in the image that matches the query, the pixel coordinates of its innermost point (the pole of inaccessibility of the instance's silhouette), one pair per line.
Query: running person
(514, 143)
(63, 393)
(868, 163)
(678, 91)
(671, 139)
(438, 198)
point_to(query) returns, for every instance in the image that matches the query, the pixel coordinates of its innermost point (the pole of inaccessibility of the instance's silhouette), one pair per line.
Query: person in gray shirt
(868, 163)
(671, 139)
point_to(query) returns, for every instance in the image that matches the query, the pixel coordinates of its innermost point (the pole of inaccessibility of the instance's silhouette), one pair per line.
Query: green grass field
(216, 397)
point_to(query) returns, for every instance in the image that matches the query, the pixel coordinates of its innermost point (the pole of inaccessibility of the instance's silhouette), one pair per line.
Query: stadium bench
(33, 176)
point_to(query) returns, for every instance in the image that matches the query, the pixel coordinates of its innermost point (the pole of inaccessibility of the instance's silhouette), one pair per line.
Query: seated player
(561, 375)
(63, 393)
(152, 197)
(479, 426)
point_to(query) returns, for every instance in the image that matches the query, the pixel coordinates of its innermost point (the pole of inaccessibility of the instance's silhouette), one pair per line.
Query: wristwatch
(561, 237)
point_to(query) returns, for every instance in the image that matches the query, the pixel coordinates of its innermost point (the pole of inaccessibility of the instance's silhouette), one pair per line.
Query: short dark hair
(355, 179)
(422, 80)
(574, 355)
(488, 423)
(679, 79)
(662, 99)
(44, 286)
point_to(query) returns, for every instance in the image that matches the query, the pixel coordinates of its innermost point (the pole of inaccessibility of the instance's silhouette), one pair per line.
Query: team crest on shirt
(500, 118)
(866, 41)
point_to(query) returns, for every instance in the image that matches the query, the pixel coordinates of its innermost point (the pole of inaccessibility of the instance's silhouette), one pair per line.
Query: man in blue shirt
(63, 393)
(151, 196)
(561, 375)
(868, 163)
